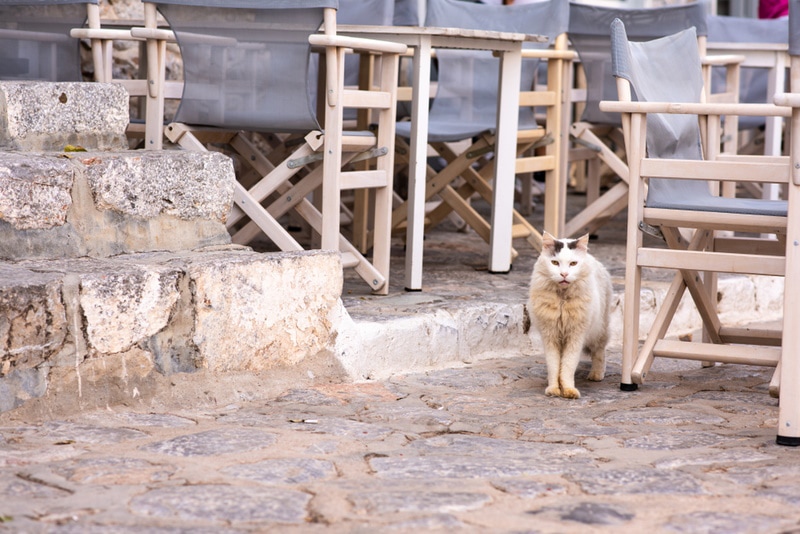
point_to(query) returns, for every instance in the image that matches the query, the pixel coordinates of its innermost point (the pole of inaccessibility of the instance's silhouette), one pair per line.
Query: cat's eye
(554, 262)
(573, 263)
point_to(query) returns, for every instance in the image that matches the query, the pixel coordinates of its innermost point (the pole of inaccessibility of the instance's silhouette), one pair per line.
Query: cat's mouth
(564, 283)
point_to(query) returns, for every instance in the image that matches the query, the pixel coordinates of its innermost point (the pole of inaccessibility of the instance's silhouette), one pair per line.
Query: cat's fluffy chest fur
(569, 303)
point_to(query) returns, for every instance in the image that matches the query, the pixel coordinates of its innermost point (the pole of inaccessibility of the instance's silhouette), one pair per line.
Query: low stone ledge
(107, 203)
(47, 116)
(96, 331)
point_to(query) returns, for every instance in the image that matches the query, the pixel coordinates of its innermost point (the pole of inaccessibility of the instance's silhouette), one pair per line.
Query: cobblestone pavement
(478, 448)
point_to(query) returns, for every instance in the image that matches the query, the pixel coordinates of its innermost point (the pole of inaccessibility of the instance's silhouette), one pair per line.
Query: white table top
(409, 34)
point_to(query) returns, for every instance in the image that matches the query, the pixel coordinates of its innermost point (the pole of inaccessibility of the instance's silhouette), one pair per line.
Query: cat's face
(564, 259)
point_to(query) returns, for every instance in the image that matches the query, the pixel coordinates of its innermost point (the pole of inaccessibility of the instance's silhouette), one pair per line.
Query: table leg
(505, 161)
(417, 168)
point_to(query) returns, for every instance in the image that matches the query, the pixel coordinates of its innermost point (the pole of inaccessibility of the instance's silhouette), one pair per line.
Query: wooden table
(423, 40)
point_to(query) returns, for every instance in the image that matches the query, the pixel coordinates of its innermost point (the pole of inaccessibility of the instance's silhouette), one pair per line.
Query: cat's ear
(548, 243)
(583, 243)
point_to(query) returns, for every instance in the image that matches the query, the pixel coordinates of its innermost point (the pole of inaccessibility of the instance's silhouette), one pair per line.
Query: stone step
(46, 116)
(68, 205)
(69, 187)
(96, 332)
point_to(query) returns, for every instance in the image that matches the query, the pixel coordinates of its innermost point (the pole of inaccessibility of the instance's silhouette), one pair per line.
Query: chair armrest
(693, 108)
(101, 33)
(787, 99)
(569, 55)
(357, 43)
(721, 60)
(153, 33)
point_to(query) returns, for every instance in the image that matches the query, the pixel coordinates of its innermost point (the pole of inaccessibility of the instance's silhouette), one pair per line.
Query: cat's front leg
(553, 359)
(566, 375)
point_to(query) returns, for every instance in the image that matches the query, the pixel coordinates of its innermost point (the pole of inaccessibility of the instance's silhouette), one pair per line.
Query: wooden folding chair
(596, 135)
(248, 68)
(465, 108)
(674, 163)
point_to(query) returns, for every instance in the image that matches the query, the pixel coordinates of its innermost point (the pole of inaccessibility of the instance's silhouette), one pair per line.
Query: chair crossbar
(708, 352)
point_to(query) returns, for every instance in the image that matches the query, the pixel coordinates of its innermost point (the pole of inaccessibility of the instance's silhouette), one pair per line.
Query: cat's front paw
(553, 391)
(596, 376)
(570, 393)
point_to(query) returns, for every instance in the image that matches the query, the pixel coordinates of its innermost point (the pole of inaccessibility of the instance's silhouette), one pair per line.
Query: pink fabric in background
(772, 9)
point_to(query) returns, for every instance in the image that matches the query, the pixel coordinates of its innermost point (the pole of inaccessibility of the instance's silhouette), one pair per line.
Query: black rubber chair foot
(628, 387)
(788, 441)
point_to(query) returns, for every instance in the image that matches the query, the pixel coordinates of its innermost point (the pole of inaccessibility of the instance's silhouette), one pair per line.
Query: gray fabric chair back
(753, 81)
(34, 39)
(368, 12)
(668, 70)
(589, 33)
(794, 27)
(246, 62)
(466, 99)
(364, 12)
(406, 13)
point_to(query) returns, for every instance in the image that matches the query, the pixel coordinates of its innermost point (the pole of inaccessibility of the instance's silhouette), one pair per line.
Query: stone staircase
(117, 274)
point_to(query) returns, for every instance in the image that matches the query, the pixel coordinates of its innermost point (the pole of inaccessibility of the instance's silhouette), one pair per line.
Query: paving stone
(14, 487)
(676, 439)
(212, 442)
(590, 513)
(347, 428)
(722, 523)
(84, 528)
(477, 405)
(67, 432)
(636, 481)
(789, 494)
(462, 467)
(444, 522)
(161, 420)
(528, 489)
(659, 416)
(390, 502)
(714, 456)
(311, 397)
(736, 402)
(224, 504)
(757, 476)
(284, 470)
(432, 415)
(466, 379)
(110, 471)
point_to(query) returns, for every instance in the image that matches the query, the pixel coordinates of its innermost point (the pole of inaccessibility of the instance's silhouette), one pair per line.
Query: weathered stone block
(45, 116)
(71, 327)
(126, 304)
(146, 184)
(110, 203)
(32, 318)
(282, 311)
(35, 191)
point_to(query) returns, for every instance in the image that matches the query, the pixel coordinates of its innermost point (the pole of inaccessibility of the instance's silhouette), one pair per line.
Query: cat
(569, 302)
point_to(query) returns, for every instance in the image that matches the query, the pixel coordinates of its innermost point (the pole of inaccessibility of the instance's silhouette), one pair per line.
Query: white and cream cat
(569, 303)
